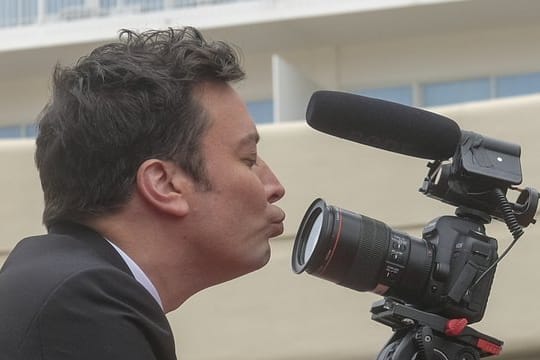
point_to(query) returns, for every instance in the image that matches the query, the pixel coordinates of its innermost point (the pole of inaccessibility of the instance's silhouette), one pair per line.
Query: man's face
(235, 217)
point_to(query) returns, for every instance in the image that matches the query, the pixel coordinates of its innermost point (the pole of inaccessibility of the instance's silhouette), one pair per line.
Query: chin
(261, 260)
(252, 261)
(266, 259)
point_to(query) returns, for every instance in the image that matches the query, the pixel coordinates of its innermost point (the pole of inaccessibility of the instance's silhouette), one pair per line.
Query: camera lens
(313, 235)
(359, 252)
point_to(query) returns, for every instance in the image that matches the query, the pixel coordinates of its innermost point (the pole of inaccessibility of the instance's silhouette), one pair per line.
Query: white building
(424, 53)
(479, 59)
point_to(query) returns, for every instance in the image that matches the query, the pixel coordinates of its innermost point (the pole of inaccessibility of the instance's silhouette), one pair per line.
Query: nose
(273, 188)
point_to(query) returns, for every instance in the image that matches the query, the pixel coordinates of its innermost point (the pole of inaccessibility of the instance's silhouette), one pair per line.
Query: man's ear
(164, 185)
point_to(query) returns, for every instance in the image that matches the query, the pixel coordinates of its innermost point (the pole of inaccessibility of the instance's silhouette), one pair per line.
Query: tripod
(420, 335)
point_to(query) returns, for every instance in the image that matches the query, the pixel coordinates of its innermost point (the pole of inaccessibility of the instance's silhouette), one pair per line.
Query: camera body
(457, 251)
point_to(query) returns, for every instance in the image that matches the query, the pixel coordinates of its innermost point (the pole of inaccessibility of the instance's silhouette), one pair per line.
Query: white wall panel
(291, 91)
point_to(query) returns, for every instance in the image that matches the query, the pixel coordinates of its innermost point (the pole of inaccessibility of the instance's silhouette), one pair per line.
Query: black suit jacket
(69, 295)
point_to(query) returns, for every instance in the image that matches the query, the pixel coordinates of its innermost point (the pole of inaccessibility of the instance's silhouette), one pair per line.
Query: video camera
(437, 285)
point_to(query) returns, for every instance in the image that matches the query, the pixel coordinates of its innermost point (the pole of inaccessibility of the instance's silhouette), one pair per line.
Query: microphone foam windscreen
(383, 124)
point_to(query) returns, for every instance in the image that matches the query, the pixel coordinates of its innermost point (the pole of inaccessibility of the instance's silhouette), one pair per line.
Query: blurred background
(475, 61)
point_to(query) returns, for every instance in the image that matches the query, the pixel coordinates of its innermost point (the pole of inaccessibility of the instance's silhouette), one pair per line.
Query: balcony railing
(26, 12)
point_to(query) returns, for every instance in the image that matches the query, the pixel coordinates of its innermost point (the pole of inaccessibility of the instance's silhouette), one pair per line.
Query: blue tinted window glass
(184, 3)
(145, 5)
(13, 131)
(262, 111)
(28, 11)
(455, 92)
(401, 94)
(54, 6)
(8, 13)
(107, 4)
(517, 84)
(31, 130)
(151, 5)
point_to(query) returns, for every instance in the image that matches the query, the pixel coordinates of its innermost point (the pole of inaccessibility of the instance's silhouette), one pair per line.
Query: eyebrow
(253, 137)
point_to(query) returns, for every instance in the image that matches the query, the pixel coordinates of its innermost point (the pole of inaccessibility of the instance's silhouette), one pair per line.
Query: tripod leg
(401, 346)
(387, 353)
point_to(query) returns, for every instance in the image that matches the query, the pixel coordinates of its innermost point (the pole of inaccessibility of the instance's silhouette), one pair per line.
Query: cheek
(250, 198)
(242, 190)
(235, 206)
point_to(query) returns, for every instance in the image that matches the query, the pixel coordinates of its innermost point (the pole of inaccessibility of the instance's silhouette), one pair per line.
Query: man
(154, 190)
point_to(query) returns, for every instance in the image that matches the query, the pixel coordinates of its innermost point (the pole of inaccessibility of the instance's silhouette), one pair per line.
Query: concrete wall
(274, 314)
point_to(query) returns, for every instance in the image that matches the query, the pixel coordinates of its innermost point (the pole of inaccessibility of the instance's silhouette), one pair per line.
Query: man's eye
(250, 162)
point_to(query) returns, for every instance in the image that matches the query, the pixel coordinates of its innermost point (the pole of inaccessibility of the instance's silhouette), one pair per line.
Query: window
(17, 12)
(23, 12)
(18, 131)
(107, 4)
(144, 5)
(455, 91)
(56, 6)
(262, 111)
(513, 85)
(13, 131)
(400, 94)
(30, 130)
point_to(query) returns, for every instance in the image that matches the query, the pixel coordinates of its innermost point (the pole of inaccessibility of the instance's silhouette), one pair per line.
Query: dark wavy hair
(125, 103)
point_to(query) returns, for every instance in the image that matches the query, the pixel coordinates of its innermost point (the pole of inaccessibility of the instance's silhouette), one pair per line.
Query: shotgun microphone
(384, 124)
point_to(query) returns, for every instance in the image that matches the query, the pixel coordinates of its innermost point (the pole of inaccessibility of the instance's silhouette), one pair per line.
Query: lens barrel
(359, 252)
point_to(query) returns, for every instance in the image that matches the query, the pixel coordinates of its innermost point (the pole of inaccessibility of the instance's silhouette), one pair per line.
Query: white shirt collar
(139, 275)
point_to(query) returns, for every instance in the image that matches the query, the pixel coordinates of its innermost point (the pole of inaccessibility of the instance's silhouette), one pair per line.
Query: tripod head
(420, 335)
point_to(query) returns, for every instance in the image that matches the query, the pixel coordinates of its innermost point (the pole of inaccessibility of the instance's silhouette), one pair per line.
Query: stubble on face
(234, 217)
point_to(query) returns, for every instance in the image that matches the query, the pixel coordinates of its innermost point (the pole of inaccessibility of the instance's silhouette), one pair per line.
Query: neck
(172, 272)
